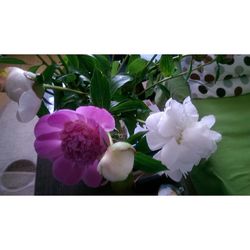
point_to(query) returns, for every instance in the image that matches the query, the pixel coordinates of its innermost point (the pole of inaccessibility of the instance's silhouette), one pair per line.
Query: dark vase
(145, 185)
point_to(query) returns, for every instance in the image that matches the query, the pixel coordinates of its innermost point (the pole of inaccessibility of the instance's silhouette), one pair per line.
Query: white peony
(18, 86)
(117, 162)
(181, 139)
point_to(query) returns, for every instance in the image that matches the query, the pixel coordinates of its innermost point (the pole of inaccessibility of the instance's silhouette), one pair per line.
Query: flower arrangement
(112, 118)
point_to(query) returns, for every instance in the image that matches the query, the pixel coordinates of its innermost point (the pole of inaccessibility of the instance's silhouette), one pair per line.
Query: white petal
(155, 141)
(167, 127)
(174, 175)
(190, 110)
(117, 162)
(169, 154)
(28, 107)
(140, 128)
(215, 136)
(208, 121)
(197, 138)
(153, 120)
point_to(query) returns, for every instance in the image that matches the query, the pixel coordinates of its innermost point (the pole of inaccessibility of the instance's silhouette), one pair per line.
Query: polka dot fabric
(228, 77)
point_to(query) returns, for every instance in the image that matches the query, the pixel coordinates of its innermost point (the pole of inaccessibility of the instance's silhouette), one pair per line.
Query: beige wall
(31, 60)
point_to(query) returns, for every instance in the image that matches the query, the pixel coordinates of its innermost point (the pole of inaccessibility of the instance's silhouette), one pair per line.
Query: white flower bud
(18, 85)
(117, 162)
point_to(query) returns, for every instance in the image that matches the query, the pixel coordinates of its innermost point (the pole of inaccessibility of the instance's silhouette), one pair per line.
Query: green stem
(176, 76)
(47, 86)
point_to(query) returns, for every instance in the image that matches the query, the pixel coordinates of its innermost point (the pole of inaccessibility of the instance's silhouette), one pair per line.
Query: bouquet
(113, 118)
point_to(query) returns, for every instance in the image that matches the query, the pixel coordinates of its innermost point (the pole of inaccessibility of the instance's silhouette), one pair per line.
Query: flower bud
(117, 162)
(19, 86)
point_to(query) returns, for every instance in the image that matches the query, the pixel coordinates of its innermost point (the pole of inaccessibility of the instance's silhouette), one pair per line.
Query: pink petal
(49, 149)
(101, 116)
(42, 127)
(91, 177)
(66, 171)
(59, 118)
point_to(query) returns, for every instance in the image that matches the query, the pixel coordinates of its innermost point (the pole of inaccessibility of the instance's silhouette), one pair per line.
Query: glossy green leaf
(128, 106)
(118, 81)
(115, 67)
(99, 90)
(137, 66)
(48, 73)
(10, 60)
(167, 65)
(147, 164)
(73, 61)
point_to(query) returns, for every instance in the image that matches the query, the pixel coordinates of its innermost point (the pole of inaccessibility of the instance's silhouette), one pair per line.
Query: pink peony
(75, 141)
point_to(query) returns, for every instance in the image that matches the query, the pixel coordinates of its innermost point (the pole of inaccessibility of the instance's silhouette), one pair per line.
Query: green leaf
(99, 90)
(103, 64)
(137, 66)
(167, 65)
(73, 61)
(10, 60)
(118, 81)
(164, 90)
(34, 69)
(147, 164)
(136, 137)
(115, 67)
(128, 106)
(48, 73)
(43, 110)
(67, 78)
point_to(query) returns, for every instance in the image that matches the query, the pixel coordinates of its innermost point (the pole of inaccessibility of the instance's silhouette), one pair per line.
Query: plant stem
(176, 76)
(47, 86)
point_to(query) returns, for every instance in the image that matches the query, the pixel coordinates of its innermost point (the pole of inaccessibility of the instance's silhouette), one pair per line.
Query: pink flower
(75, 141)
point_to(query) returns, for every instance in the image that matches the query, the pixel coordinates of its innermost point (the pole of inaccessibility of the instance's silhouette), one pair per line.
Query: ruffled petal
(42, 127)
(190, 110)
(49, 149)
(28, 106)
(59, 118)
(169, 154)
(66, 171)
(155, 141)
(208, 121)
(90, 175)
(153, 120)
(99, 115)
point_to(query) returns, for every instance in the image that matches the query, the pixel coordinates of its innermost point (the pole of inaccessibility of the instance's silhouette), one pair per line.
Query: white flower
(18, 85)
(181, 139)
(117, 162)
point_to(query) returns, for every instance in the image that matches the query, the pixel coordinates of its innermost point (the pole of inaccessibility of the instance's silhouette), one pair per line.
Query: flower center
(82, 142)
(179, 138)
